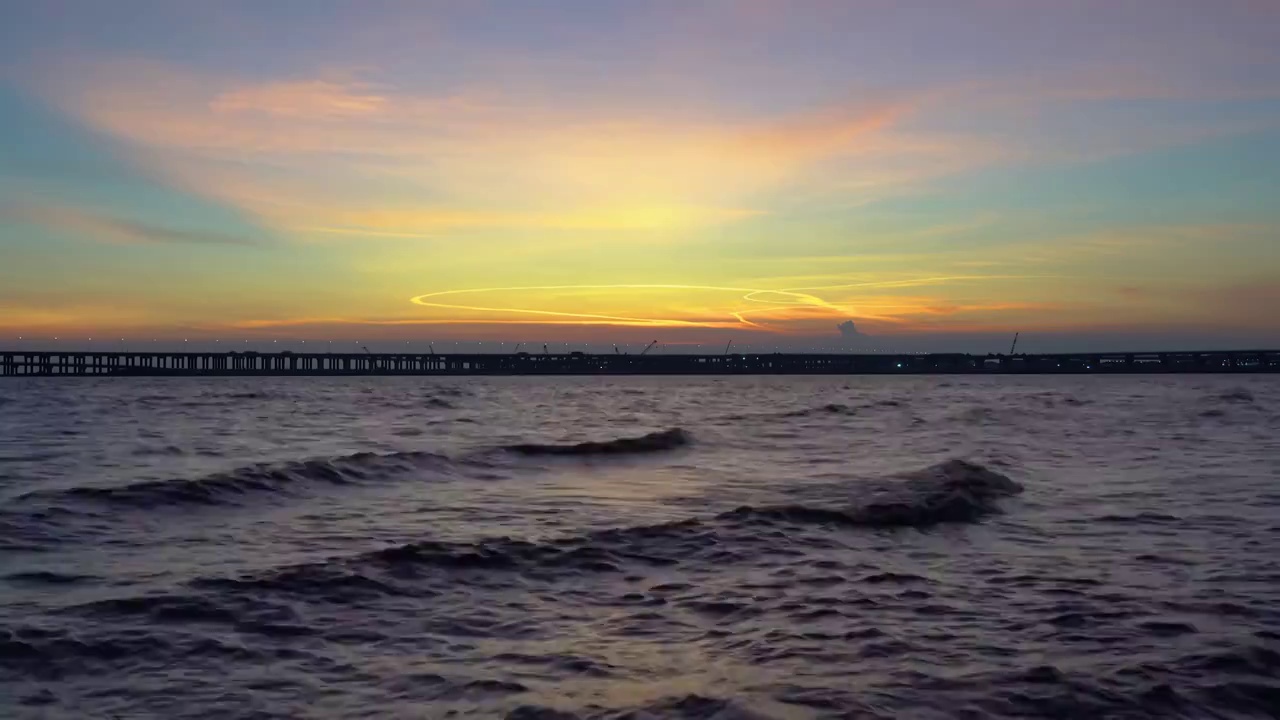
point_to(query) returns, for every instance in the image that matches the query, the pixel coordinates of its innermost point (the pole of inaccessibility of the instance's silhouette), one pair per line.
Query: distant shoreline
(251, 364)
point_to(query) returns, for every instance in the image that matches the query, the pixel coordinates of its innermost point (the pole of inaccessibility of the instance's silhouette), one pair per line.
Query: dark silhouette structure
(72, 363)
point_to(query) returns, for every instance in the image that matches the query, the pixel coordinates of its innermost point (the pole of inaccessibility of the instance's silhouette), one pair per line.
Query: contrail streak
(794, 298)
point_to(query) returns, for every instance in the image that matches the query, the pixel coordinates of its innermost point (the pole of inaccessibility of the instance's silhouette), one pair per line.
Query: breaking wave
(652, 442)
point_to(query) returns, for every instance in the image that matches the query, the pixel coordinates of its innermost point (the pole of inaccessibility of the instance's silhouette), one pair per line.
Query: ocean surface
(558, 548)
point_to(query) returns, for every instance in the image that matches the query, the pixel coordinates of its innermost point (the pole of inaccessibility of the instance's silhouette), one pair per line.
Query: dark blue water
(640, 548)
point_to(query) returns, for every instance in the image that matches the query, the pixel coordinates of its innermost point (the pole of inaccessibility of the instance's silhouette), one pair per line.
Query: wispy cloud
(1158, 243)
(313, 99)
(101, 227)
(349, 156)
(481, 160)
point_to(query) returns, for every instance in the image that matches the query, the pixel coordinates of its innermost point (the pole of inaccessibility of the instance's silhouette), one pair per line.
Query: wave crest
(956, 491)
(232, 487)
(653, 442)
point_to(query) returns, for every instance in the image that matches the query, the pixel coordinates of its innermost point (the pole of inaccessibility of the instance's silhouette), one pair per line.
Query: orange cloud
(306, 99)
(68, 317)
(829, 131)
(306, 154)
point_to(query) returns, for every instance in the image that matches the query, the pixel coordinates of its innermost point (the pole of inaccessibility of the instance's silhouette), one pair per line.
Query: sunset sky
(1095, 173)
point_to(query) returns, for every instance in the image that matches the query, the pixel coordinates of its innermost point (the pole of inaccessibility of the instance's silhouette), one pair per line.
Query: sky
(1095, 174)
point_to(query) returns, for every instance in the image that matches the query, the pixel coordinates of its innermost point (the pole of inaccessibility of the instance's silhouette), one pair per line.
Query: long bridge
(25, 363)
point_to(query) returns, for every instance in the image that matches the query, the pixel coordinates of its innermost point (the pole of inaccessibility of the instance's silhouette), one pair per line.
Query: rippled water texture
(640, 548)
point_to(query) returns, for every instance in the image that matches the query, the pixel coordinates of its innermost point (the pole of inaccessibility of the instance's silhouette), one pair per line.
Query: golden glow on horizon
(609, 319)
(796, 299)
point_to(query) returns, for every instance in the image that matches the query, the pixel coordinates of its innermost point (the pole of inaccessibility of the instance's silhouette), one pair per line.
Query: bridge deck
(72, 363)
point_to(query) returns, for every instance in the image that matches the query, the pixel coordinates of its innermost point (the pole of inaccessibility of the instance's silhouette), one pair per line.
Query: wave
(840, 409)
(27, 532)
(320, 581)
(1236, 395)
(418, 403)
(1228, 403)
(951, 492)
(260, 602)
(450, 391)
(1140, 518)
(977, 415)
(209, 398)
(652, 442)
(30, 457)
(52, 654)
(46, 577)
(253, 395)
(828, 409)
(1051, 398)
(819, 410)
(954, 491)
(235, 486)
(148, 399)
(161, 608)
(688, 707)
(163, 450)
